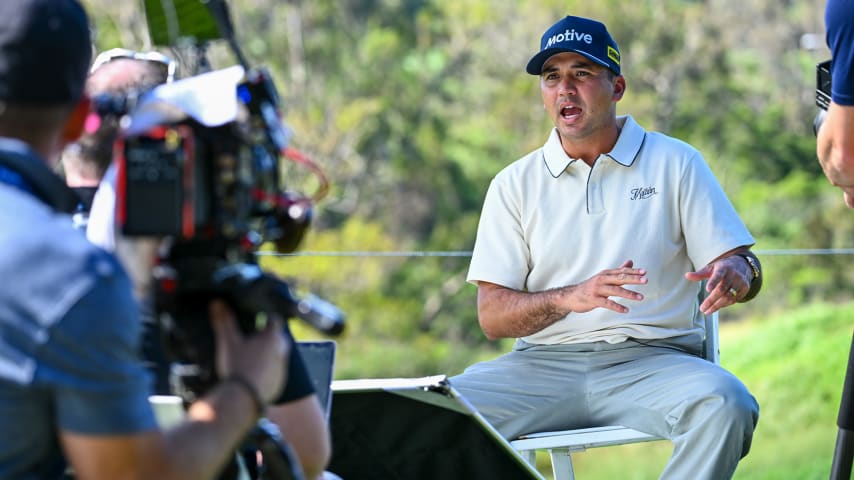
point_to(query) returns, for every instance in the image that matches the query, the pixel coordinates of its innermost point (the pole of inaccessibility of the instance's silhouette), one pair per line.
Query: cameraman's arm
(300, 418)
(835, 138)
(197, 448)
(835, 149)
(200, 446)
(303, 426)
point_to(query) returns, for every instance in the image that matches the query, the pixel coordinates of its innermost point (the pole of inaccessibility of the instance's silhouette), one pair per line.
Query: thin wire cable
(467, 253)
(370, 254)
(807, 251)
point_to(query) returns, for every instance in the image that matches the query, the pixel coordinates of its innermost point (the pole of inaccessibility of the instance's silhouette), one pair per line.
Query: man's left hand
(727, 281)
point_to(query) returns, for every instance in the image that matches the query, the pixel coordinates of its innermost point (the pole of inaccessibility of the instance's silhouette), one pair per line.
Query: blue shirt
(839, 21)
(69, 331)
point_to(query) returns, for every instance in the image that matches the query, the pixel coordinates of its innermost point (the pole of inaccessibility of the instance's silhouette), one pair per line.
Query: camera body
(822, 93)
(211, 191)
(822, 84)
(191, 181)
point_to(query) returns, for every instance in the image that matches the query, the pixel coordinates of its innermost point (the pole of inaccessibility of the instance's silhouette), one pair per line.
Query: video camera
(199, 165)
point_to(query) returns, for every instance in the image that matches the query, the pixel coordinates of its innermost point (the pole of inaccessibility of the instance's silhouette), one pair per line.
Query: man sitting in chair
(591, 252)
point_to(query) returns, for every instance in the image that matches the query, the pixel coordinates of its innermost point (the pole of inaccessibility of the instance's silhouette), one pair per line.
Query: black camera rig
(212, 191)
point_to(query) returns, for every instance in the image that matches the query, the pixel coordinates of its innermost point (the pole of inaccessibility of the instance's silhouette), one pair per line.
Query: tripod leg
(844, 452)
(842, 455)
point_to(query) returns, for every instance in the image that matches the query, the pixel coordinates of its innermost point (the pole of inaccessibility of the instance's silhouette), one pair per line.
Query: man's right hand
(507, 313)
(596, 291)
(260, 358)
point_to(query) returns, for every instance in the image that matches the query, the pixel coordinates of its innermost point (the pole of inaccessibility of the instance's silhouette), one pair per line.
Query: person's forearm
(214, 428)
(507, 313)
(303, 426)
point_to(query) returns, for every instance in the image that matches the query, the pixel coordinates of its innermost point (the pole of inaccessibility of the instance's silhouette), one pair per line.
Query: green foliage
(795, 365)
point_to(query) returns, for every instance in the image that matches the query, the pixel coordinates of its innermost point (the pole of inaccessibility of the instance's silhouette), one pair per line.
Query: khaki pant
(706, 412)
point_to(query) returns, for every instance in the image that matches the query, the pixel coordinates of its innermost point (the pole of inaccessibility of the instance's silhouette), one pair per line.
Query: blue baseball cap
(580, 35)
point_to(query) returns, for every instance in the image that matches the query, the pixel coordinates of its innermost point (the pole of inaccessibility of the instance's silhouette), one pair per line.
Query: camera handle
(259, 291)
(278, 461)
(221, 15)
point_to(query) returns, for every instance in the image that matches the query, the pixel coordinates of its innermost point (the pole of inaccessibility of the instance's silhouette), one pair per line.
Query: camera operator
(297, 411)
(835, 142)
(71, 387)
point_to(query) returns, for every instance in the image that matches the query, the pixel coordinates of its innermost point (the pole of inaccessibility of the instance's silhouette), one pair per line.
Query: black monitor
(319, 360)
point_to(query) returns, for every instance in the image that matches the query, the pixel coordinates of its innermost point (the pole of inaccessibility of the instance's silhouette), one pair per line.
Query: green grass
(794, 364)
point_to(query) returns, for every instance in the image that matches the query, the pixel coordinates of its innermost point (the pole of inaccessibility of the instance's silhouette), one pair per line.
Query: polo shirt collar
(624, 152)
(629, 142)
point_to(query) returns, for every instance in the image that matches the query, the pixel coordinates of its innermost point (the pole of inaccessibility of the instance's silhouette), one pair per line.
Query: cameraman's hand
(260, 358)
(835, 148)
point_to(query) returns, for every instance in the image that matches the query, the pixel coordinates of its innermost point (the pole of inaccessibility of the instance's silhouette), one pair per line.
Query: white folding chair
(561, 444)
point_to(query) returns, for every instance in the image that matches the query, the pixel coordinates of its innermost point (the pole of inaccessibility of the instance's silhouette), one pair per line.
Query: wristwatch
(753, 266)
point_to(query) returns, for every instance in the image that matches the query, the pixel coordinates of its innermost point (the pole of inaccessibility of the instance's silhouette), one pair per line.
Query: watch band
(756, 281)
(753, 266)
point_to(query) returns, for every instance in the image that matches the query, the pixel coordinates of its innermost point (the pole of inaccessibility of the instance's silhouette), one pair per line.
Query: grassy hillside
(794, 363)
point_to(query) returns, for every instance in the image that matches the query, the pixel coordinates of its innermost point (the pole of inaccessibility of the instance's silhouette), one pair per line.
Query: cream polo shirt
(549, 220)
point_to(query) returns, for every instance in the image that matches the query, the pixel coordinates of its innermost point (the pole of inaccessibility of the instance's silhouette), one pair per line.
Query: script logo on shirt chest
(642, 193)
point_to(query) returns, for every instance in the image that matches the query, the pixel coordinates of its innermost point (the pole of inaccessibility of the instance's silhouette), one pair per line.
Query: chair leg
(562, 464)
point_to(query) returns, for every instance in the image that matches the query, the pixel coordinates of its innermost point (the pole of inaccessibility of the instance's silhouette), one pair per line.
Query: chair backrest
(711, 346)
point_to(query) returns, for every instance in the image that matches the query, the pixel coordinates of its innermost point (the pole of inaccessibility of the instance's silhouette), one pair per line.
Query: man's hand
(596, 291)
(728, 280)
(259, 358)
(507, 313)
(835, 149)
